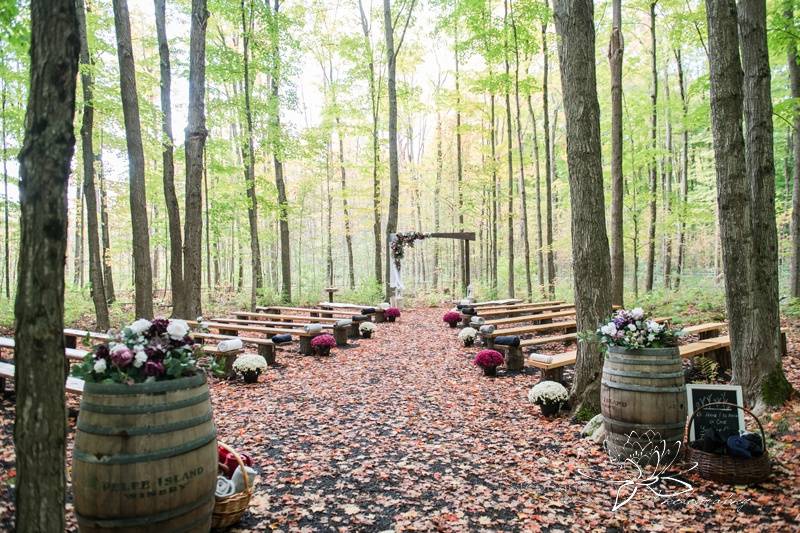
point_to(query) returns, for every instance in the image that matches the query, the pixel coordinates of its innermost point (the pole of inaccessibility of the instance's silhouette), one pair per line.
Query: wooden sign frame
(704, 386)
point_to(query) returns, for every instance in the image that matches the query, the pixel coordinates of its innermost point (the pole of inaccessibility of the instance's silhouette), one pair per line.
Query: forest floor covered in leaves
(401, 432)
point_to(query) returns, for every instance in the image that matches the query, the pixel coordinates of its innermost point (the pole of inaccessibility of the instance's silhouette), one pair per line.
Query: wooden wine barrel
(643, 402)
(145, 457)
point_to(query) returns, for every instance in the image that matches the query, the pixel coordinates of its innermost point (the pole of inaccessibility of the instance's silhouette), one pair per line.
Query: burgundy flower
(101, 352)
(153, 368)
(488, 359)
(159, 326)
(122, 356)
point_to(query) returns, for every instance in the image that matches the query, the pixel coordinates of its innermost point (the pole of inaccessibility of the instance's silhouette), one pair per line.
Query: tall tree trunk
(509, 157)
(87, 131)
(277, 159)
(143, 276)
(666, 176)
(348, 236)
(539, 242)
(522, 196)
(759, 368)
(108, 275)
(590, 255)
(495, 189)
(374, 97)
(248, 157)
(684, 172)
(329, 250)
(794, 77)
(651, 232)
(7, 254)
(179, 295)
(207, 217)
(77, 270)
(40, 428)
(460, 169)
(194, 147)
(437, 187)
(549, 166)
(616, 49)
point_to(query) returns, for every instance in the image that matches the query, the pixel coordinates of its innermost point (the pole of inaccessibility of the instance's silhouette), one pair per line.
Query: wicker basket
(726, 468)
(228, 510)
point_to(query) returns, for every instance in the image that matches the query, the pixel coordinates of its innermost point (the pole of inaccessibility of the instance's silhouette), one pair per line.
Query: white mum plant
(250, 362)
(547, 392)
(467, 334)
(366, 326)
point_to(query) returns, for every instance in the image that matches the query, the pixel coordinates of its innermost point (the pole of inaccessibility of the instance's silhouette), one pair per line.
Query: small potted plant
(467, 336)
(549, 396)
(489, 360)
(391, 314)
(452, 318)
(250, 366)
(322, 344)
(366, 329)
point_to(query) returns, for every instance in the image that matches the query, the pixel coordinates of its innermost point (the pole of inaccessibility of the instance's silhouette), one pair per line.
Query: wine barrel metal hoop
(133, 431)
(142, 409)
(642, 388)
(131, 458)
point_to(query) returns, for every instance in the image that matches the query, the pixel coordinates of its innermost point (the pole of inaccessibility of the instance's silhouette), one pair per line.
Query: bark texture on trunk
(168, 172)
(87, 133)
(590, 256)
(549, 167)
(509, 160)
(684, 192)
(616, 48)
(651, 230)
(44, 164)
(348, 236)
(194, 147)
(794, 77)
(143, 275)
(277, 161)
(108, 274)
(759, 370)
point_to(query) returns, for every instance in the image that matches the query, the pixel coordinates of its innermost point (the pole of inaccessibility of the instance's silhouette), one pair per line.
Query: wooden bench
(73, 385)
(488, 339)
(536, 318)
(70, 355)
(554, 370)
(311, 311)
(277, 317)
(706, 330)
(234, 329)
(518, 311)
(491, 303)
(555, 304)
(378, 314)
(340, 333)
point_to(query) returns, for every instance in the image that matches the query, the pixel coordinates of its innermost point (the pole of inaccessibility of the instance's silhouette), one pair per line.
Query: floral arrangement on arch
(401, 241)
(635, 330)
(143, 352)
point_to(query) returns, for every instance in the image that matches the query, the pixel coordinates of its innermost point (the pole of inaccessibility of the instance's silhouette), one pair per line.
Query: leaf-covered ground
(401, 432)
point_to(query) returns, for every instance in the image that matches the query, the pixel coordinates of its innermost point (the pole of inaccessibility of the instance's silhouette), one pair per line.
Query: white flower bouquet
(250, 362)
(548, 392)
(468, 336)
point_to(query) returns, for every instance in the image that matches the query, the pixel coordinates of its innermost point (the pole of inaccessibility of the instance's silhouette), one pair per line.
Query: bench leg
(353, 332)
(488, 342)
(305, 345)
(380, 316)
(784, 350)
(267, 351)
(2, 385)
(340, 334)
(515, 360)
(723, 358)
(554, 374)
(229, 332)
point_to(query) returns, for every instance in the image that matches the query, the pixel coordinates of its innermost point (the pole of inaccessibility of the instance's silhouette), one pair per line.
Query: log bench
(537, 318)
(269, 332)
(73, 385)
(488, 339)
(378, 314)
(340, 333)
(519, 311)
(492, 303)
(70, 355)
(311, 311)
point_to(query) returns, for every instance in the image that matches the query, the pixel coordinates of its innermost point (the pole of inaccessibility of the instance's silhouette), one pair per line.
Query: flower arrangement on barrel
(402, 240)
(322, 344)
(489, 360)
(633, 330)
(250, 366)
(467, 336)
(143, 352)
(549, 396)
(451, 318)
(366, 329)
(392, 314)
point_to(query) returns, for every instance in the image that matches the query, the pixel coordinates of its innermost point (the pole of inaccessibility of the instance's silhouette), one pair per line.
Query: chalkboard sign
(726, 419)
